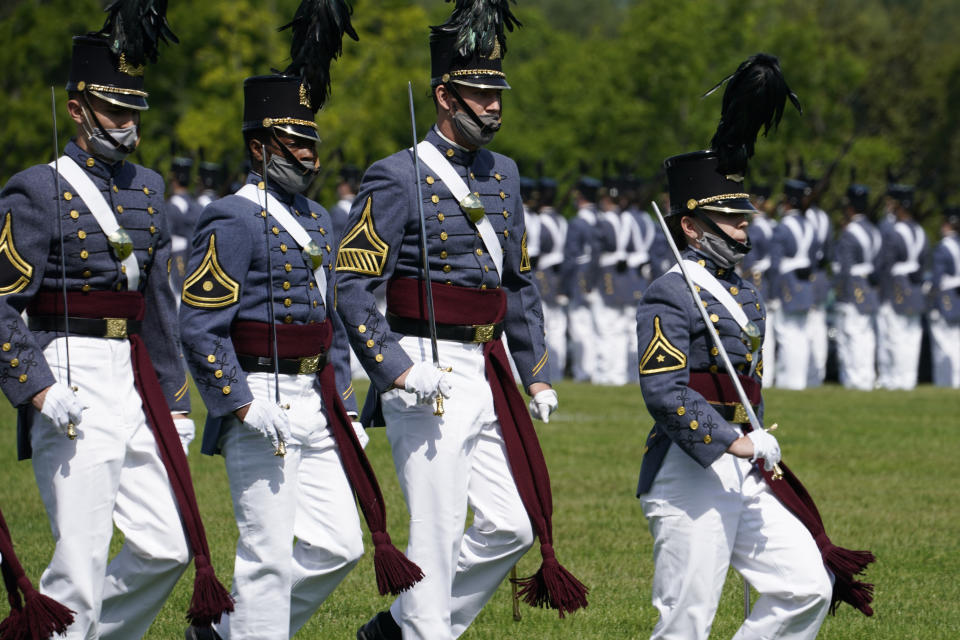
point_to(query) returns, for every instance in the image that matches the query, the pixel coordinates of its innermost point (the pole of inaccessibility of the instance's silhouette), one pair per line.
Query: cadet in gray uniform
(580, 275)
(466, 454)
(944, 313)
(118, 467)
(269, 357)
(856, 310)
(900, 268)
(547, 269)
(705, 483)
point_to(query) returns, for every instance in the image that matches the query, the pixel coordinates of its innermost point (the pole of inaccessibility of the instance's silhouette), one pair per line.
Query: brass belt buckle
(483, 332)
(116, 328)
(309, 364)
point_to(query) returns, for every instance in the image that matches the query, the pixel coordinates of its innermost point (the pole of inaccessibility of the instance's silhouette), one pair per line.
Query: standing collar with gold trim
(92, 164)
(452, 151)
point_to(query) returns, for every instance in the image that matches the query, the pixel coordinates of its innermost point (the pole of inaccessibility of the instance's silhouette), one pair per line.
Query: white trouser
(817, 334)
(793, 351)
(705, 520)
(770, 345)
(583, 339)
(304, 495)
(898, 348)
(945, 345)
(555, 327)
(445, 464)
(613, 343)
(110, 475)
(856, 347)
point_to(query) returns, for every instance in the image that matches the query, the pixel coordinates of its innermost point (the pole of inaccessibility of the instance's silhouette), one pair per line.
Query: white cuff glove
(765, 446)
(61, 407)
(270, 420)
(427, 382)
(186, 430)
(543, 403)
(361, 433)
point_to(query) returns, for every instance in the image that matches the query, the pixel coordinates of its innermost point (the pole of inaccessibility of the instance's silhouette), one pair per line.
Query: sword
(71, 428)
(751, 415)
(271, 314)
(431, 318)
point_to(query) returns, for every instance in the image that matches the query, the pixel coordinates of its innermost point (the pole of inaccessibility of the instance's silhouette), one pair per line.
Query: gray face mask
(288, 176)
(472, 133)
(717, 249)
(101, 147)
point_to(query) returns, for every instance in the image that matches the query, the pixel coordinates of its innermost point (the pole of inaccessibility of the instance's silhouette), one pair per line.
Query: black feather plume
(318, 27)
(481, 26)
(135, 28)
(755, 96)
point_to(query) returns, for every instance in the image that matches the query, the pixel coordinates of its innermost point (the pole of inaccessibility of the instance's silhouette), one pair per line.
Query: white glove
(186, 430)
(543, 403)
(61, 407)
(361, 433)
(765, 446)
(427, 382)
(270, 420)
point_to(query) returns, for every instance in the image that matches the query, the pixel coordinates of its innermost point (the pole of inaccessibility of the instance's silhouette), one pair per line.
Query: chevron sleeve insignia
(15, 272)
(661, 356)
(209, 287)
(362, 250)
(524, 256)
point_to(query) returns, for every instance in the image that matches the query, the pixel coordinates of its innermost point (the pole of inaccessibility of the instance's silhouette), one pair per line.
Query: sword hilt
(777, 471)
(72, 428)
(438, 410)
(281, 449)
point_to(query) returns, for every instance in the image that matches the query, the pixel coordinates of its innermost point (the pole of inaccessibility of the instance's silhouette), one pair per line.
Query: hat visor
(299, 130)
(482, 81)
(732, 206)
(125, 100)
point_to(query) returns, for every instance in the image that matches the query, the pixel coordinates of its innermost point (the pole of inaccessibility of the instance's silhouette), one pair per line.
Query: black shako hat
(858, 196)
(902, 193)
(712, 180)
(96, 69)
(469, 47)
(278, 101)
(289, 101)
(181, 167)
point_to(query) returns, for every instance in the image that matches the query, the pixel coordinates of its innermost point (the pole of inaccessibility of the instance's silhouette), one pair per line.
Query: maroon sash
(844, 563)
(32, 615)
(395, 572)
(552, 586)
(210, 600)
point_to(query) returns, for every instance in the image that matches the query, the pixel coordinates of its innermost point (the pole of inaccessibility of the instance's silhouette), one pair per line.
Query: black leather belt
(300, 366)
(456, 332)
(116, 328)
(735, 413)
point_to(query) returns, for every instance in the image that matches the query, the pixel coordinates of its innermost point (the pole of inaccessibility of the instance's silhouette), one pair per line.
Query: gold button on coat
(681, 411)
(707, 439)
(694, 425)
(379, 357)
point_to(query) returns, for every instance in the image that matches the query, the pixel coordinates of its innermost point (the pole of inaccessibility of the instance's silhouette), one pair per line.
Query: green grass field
(880, 466)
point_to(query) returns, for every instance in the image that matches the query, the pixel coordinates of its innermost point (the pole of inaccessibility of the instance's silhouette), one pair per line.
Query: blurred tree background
(605, 86)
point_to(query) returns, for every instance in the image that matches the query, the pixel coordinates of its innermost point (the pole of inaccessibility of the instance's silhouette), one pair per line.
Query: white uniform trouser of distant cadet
(583, 338)
(769, 349)
(443, 465)
(614, 325)
(278, 585)
(793, 350)
(856, 347)
(555, 327)
(705, 520)
(945, 345)
(898, 348)
(111, 474)
(817, 332)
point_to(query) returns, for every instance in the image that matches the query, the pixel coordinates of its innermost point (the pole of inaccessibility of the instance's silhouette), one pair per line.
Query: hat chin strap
(90, 113)
(470, 112)
(734, 245)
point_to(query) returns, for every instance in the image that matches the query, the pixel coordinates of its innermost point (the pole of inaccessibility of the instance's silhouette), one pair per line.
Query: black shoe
(201, 633)
(380, 627)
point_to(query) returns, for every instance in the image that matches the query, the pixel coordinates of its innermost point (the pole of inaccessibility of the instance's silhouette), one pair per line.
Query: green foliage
(611, 83)
(879, 464)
